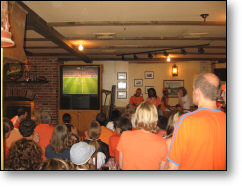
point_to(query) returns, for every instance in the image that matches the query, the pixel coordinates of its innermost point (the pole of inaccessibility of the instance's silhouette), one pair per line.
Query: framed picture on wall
(149, 75)
(138, 82)
(122, 94)
(122, 85)
(172, 86)
(122, 75)
(147, 88)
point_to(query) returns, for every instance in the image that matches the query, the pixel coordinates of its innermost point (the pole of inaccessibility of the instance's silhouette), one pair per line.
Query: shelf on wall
(27, 82)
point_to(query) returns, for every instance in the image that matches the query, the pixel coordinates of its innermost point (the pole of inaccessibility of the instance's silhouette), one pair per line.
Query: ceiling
(57, 28)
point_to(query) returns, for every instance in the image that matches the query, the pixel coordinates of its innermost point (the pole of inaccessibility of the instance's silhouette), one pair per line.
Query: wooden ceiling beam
(136, 23)
(36, 23)
(134, 38)
(120, 47)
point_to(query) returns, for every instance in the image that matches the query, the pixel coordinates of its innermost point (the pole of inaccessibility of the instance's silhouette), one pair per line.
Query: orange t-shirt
(155, 101)
(113, 142)
(105, 134)
(199, 141)
(142, 150)
(13, 137)
(136, 100)
(164, 101)
(45, 132)
(15, 122)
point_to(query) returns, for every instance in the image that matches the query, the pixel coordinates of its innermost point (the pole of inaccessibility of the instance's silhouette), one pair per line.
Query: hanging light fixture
(6, 40)
(80, 47)
(135, 57)
(201, 50)
(183, 51)
(150, 56)
(174, 70)
(165, 53)
(168, 59)
(122, 58)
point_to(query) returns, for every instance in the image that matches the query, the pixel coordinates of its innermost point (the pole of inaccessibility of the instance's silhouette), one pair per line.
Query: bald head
(209, 85)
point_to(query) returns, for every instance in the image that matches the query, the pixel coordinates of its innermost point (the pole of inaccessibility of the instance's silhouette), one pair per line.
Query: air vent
(195, 35)
(105, 35)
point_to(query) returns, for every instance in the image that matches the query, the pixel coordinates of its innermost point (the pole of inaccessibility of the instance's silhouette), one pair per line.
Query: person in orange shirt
(136, 99)
(122, 125)
(199, 138)
(105, 132)
(164, 101)
(142, 149)
(21, 115)
(153, 98)
(44, 130)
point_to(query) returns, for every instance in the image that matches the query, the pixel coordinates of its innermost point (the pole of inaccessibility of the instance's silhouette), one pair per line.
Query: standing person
(136, 99)
(142, 149)
(184, 99)
(45, 130)
(21, 115)
(199, 139)
(165, 107)
(153, 98)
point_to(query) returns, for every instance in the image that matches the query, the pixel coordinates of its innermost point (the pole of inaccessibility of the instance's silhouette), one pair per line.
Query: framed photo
(138, 82)
(122, 75)
(122, 85)
(173, 86)
(122, 94)
(147, 88)
(149, 75)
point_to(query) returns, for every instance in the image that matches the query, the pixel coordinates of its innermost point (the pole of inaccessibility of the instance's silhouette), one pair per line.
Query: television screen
(80, 80)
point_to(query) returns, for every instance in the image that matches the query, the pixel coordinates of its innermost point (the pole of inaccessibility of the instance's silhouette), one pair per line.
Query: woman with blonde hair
(56, 164)
(101, 154)
(60, 144)
(142, 149)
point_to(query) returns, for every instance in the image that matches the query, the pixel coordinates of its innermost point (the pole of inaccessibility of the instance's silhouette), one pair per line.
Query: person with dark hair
(44, 130)
(183, 99)
(162, 123)
(199, 139)
(24, 155)
(60, 144)
(10, 123)
(123, 124)
(55, 164)
(136, 99)
(114, 115)
(165, 107)
(21, 115)
(102, 151)
(153, 98)
(6, 134)
(105, 132)
(26, 128)
(72, 130)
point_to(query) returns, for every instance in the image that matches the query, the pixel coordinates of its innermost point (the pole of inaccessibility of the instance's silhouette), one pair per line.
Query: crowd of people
(141, 138)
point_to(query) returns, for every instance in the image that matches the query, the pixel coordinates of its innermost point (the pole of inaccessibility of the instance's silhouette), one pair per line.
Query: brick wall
(46, 95)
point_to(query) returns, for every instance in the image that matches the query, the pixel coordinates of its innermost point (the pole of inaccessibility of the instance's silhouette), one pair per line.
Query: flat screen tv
(80, 87)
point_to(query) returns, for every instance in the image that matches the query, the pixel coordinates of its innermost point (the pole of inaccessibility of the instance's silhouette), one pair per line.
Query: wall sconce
(174, 70)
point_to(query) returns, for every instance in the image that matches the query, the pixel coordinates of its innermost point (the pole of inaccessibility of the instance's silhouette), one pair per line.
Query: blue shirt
(49, 154)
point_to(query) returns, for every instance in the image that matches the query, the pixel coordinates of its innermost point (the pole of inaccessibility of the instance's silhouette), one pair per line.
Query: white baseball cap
(81, 152)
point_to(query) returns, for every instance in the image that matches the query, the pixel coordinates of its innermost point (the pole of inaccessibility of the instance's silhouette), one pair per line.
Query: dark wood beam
(136, 23)
(36, 23)
(120, 47)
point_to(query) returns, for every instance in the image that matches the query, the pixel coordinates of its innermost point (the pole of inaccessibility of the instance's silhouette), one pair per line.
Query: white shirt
(186, 105)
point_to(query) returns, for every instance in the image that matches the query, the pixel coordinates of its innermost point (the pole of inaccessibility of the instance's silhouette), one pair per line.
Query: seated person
(183, 99)
(142, 149)
(55, 164)
(81, 155)
(162, 123)
(164, 101)
(123, 124)
(24, 155)
(129, 113)
(60, 144)
(136, 99)
(153, 98)
(6, 134)
(73, 130)
(44, 130)
(21, 115)
(115, 114)
(102, 150)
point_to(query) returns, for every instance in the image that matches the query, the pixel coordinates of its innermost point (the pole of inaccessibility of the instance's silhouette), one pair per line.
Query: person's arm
(120, 160)
(162, 165)
(172, 166)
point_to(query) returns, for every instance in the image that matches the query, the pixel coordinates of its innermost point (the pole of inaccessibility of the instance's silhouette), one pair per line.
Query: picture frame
(173, 86)
(122, 75)
(147, 88)
(122, 85)
(138, 82)
(122, 94)
(149, 74)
